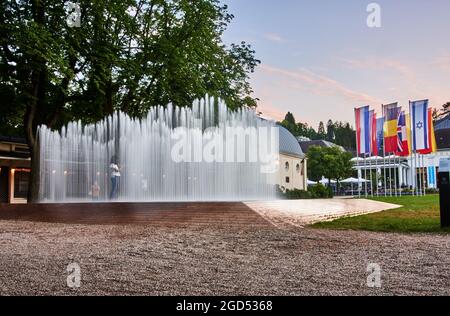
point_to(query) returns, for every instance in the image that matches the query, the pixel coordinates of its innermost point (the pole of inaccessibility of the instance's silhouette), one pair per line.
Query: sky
(320, 60)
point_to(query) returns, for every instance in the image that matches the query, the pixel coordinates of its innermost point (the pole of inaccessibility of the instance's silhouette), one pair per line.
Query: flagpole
(390, 175)
(370, 171)
(359, 189)
(420, 173)
(357, 153)
(384, 152)
(411, 171)
(419, 167)
(376, 173)
(395, 173)
(371, 150)
(424, 177)
(365, 174)
(414, 153)
(416, 182)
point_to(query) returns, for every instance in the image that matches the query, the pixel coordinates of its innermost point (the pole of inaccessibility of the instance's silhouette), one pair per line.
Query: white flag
(419, 125)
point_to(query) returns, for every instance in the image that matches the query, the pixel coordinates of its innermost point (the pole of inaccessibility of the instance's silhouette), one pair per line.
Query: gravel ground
(217, 260)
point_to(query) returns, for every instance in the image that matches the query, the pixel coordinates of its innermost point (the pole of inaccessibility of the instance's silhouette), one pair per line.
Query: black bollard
(444, 191)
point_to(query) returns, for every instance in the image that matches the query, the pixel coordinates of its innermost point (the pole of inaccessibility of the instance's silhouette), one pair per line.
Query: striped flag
(419, 125)
(363, 140)
(373, 132)
(402, 136)
(391, 112)
(431, 136)
(408, 132)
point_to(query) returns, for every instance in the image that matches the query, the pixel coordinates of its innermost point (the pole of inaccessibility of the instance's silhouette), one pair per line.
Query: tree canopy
(444, 111)
(340, 133)
(330, 162)
(125, 55)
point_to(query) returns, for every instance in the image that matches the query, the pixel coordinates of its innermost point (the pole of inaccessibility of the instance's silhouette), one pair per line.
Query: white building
(409, 172)
(292, 169)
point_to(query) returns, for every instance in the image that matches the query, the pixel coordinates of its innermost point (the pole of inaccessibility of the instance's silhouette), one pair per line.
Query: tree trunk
(33, 191)
(37, 91)
(30, 134)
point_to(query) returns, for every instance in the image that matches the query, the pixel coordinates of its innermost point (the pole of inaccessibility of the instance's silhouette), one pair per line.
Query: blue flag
(380, 125)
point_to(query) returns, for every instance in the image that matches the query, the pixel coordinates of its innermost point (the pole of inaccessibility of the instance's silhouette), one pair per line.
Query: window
(21, 179)
(288, 180)
(298, 168)
(286, 166)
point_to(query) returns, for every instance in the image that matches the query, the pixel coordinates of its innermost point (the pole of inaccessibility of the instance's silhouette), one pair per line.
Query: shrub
(316, 192)
(319, 191)
(297, 194)
(432, 191)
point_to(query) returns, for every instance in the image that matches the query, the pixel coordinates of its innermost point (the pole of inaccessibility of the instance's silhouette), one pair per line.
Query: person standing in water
(115, 178)
(95, 191)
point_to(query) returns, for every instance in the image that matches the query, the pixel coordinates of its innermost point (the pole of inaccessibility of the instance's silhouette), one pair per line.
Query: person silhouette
(115, 178)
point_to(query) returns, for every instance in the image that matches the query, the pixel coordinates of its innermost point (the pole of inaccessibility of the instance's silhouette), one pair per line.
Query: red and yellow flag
(431, 135)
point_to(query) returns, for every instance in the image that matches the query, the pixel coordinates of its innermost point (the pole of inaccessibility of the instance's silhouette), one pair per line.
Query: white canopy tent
(353, 181)
(325, 181)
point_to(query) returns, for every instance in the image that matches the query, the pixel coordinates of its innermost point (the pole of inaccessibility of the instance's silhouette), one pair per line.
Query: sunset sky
(320, 60)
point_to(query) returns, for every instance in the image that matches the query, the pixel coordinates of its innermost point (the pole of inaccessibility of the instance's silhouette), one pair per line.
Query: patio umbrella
(325, 181)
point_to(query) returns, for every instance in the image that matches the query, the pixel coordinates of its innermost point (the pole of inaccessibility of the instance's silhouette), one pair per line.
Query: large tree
(125, 55)
(445, 110)
(330, 162)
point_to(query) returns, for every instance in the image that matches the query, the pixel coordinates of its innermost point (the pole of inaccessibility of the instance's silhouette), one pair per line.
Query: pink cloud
(375, 63)
(320, 85)
(273, 37)
(270, 111)
(442, 62)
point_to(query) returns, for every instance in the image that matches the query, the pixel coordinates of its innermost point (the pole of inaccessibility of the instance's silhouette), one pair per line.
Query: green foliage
(321, 131)
(127, 55)
(330, 162)
(315, 192)
(331, 133)
(340, 133)
(443, 112)
(319, 191)
(296, 194)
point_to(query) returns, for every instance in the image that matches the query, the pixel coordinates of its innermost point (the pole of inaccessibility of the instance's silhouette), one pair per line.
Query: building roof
(289, 144)
(443, 123)
(305, 145)
(13, 139)
(442, 129)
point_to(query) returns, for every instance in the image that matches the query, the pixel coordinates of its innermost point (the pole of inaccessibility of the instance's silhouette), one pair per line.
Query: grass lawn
(417, 214)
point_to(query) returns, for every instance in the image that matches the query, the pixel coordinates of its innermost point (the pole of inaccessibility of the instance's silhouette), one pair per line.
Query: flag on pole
(373, 133)
(380, 125)
(408, 132)
(390, 127)
(419, 125)
(362, 130)
(431, 135)
(402, 136)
